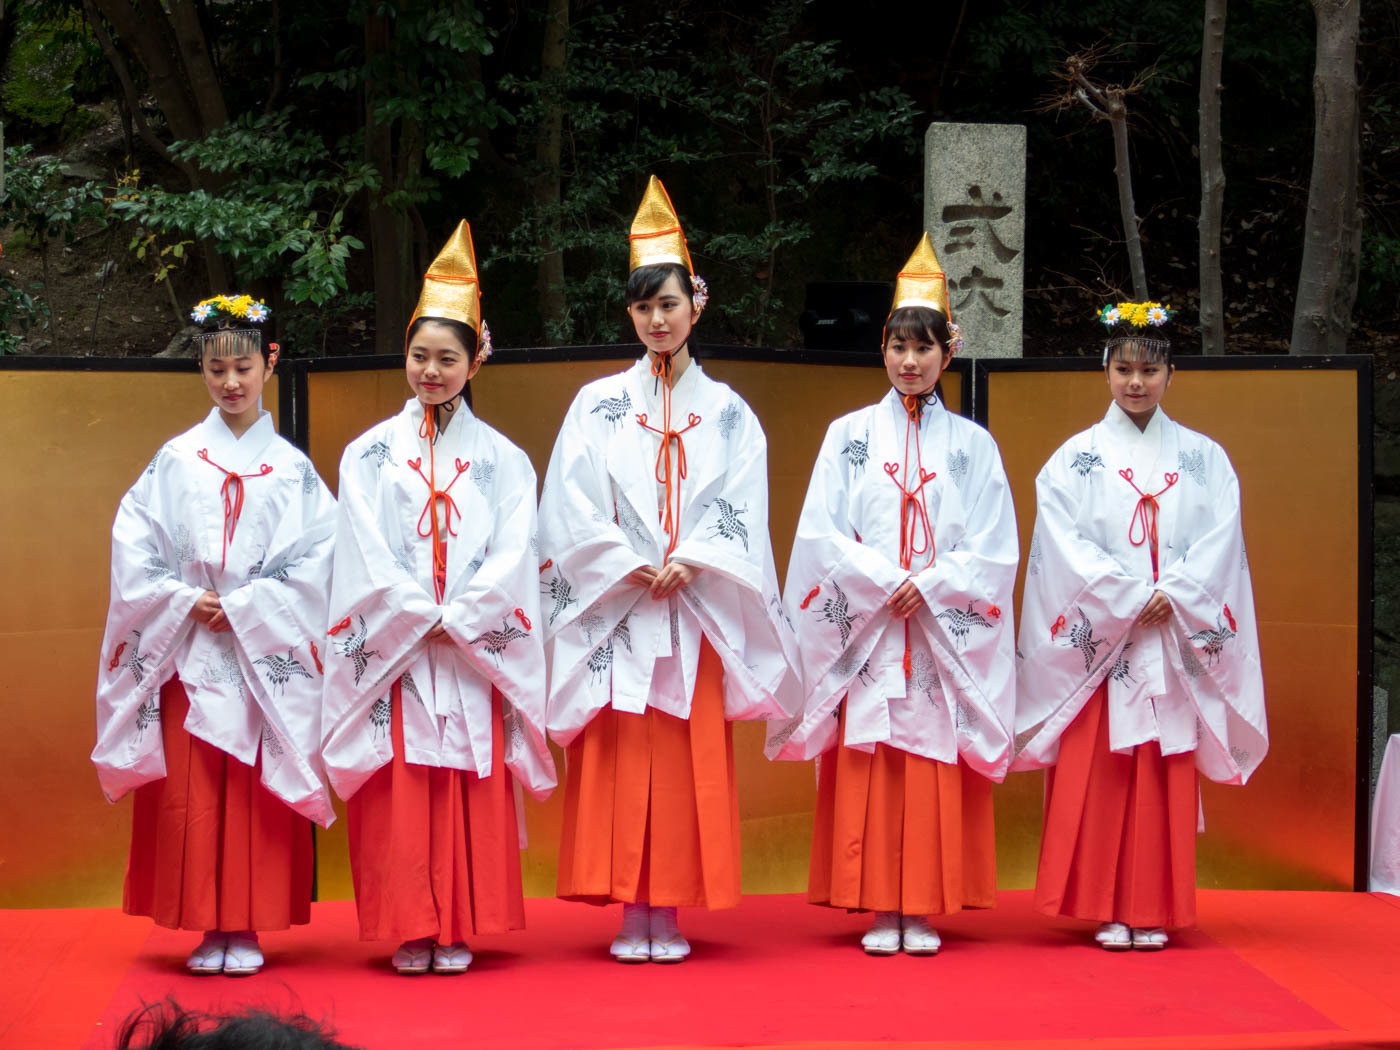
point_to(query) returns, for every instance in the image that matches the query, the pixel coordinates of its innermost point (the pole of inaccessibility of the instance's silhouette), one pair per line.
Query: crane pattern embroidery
(836, 609)
(379, 452)
(409, 686)
(629, 520)
(924, 674)
(728, 524)
(353, 649)
(1190, 662)
(784, 733)
(379, 716)
(156, 569)
(307, 473)
(496, 642)
(1193, 464)
(1121, 671)
(864, 675)
(561, 592)
(728, 420)
(147, 714)
(1081, 637)
(960, 622)
(151, 466)
(1034, 556)
(183, 543)
(591, 620)
(857, 451)
(281, 669)
(1212, 640)
(613, 408)
(1086, 461)
(958, 464)
(482, 474)
(226, 671)
(134, 662)
(271, 742)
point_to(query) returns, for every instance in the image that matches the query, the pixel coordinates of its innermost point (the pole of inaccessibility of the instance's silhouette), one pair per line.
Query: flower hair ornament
(1128, 324)
(699, 291)
(484, 347)
(226, 319)
(955, 339)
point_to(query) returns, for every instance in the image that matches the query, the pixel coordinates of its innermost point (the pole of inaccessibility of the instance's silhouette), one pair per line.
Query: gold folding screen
(76, 440)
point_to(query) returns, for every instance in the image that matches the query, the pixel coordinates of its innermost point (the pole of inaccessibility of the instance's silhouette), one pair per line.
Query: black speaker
(845, 315)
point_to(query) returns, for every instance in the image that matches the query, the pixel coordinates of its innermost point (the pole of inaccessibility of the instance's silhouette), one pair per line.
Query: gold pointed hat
(922, 281)
(450, 287)
(656, 235)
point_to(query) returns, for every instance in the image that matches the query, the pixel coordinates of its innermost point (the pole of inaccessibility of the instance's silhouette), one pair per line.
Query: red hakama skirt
(651, 812)
(1119, 843)
(211, 848)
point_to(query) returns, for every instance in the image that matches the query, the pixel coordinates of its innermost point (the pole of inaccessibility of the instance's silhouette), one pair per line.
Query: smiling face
(438, 365)
(914, 362)
(236, 383)
(663, 321)
(1137, 386)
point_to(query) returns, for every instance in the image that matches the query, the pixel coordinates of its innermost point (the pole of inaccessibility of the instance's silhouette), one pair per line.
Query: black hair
(169, 1026)
(645, 281)
(227, 340)
(918, 324)
(1154, 348)
(466, 335)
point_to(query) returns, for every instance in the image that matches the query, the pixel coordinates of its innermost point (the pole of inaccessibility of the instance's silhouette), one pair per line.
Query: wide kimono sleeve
(495, 623)
(587, 556)
(147, 618)
(379, 619)
(835, 597)
(735, 596)
(278, 622)
(1077, 611)
(1216, 644)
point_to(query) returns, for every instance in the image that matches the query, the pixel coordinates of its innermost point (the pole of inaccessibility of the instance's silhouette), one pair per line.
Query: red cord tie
(1144, 524)
(808, 600)
(116, 657)
(232, 492)
(524, 620)
(1057, 627)
(437, 496)
(547, 565)
(913, 516)
(1230, 619)
(994, 612)
(669, 472)
(316, 656)
(342, 625)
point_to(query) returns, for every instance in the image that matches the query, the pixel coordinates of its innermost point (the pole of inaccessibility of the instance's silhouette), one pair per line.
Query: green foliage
(50, 64)
(40, 202)
(21, 308)
(1380, 269)
(281, 214)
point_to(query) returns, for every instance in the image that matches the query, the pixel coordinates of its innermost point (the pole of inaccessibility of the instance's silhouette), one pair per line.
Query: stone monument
(975, 212)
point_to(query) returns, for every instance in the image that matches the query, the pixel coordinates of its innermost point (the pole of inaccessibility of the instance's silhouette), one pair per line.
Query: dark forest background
(318, 154)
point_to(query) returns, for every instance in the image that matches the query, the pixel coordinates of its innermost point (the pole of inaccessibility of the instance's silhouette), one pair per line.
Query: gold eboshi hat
(656, 235)
(922, 282)
(450, 287)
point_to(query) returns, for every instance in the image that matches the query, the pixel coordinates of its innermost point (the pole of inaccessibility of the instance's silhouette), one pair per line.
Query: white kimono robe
(1193, 683)
(383, 604)
(256, 687)
(955, 696)
(608, 641)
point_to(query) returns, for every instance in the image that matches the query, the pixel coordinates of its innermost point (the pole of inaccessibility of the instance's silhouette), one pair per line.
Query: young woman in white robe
(208, 695)
(661, 613)
(900, 588)
(1139, 654)
(435, 683)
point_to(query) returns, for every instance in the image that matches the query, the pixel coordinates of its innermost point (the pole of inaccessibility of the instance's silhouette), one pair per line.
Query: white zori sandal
(668, 944)
(208, 956)
(243, 957)
(451, 958)
(413, 957)
(633, 942)
(1114, 937)
(919, 937)
(1149, 940)
(884, 934)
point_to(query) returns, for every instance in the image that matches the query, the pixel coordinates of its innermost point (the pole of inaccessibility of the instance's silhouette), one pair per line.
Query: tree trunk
(390, 229)
(1212, 181)
(1118, 121)
(554, 59)
(1332, 231)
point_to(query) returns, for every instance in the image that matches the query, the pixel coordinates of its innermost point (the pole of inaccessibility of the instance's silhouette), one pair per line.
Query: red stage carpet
(1263, 970)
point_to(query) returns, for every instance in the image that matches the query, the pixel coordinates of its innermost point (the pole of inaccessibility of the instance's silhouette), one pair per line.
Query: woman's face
(438, 365)
(664, 321)
(914, 365)
(235, 384)
(1137, 386)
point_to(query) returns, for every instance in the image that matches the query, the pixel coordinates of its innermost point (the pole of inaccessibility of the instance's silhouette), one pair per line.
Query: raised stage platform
(1263, 969)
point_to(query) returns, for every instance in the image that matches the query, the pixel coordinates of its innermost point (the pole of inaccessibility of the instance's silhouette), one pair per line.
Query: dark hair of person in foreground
(169, 1026)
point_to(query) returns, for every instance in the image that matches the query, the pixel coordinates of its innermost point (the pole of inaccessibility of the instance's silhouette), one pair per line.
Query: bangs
(921, 324)
(1139, 349)
(645, 281)
(228, 342)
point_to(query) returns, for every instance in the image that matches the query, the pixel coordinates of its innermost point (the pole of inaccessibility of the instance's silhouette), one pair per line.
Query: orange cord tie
(436, 496)
(913, 514)
(232, 492)
(669, 472)
(1143, 528)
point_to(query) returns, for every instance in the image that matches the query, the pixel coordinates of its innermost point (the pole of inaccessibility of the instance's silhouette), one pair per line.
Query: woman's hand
(906, 601)
(642, 577)
(437, 630)
(1156, 610)
(210, 612)
(672, 576)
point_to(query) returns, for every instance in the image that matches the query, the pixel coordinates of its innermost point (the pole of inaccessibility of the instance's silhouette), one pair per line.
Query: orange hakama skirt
(899, 832)
(211, 848)
(651, 812)
(1119, 843)
(435, 852)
